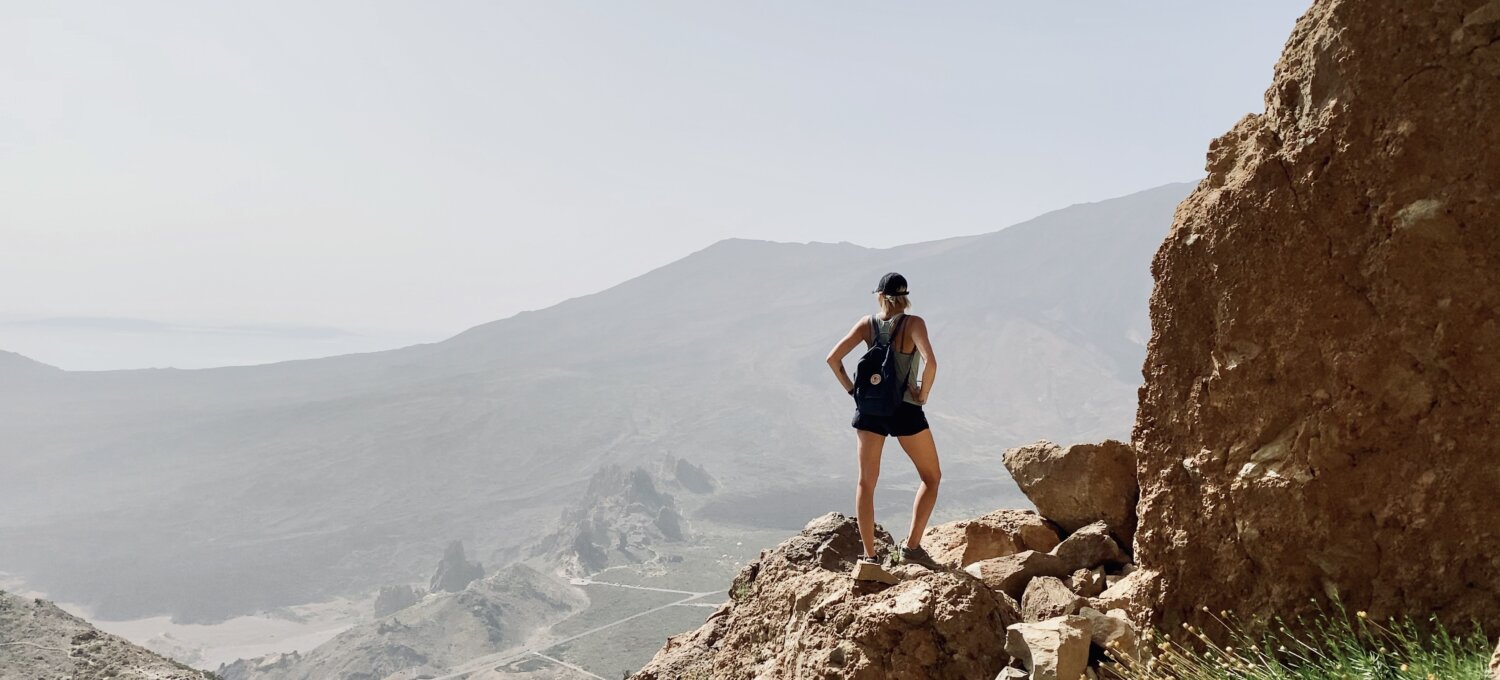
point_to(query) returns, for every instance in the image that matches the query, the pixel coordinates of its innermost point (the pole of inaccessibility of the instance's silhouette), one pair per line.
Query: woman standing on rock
(907, 336)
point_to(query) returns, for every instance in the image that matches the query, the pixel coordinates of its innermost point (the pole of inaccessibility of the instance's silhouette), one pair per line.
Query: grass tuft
(1330, 645)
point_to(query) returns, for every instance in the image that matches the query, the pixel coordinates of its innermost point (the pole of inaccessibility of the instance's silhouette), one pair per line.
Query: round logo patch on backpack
(874, 378)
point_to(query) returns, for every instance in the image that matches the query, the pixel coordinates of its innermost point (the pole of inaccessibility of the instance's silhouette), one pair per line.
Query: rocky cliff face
(38, 641)
(1319, 415)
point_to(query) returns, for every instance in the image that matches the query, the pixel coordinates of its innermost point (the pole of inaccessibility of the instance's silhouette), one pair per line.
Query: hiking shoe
(868, 568)
(918, 555)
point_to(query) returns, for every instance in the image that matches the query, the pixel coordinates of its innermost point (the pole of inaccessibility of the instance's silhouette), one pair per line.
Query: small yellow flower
(1362, 615)
(1403, 668)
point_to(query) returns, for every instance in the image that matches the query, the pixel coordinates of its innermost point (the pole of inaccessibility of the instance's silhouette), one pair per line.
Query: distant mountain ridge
(220, 491)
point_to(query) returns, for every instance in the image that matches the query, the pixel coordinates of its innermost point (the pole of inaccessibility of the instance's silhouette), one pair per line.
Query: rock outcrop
(796, 613)
(997, 534)
(39, 641)
(622, 518)
(1079, 485)
(455, 572)
(1319, 413)
(1495, 663)
(1055, 649)
(392, 599)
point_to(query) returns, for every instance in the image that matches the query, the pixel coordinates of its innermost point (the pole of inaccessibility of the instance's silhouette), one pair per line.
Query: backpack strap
(896, 332)
(874, 330)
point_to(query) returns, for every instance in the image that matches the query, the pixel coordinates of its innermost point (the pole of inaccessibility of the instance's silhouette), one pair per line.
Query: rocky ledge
(1013, 594)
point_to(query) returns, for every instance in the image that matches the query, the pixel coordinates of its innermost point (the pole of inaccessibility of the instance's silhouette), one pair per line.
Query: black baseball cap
(891, 284)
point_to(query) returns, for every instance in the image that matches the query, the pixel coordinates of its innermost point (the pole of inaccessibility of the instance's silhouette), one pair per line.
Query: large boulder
(1079, 485)
(1055, 649)
(1114, 634)
(1011, 573)
(1048, 597)
(997, 534)
(1132, 593)
(1319, 410)
(795, 612)
(1089, 547)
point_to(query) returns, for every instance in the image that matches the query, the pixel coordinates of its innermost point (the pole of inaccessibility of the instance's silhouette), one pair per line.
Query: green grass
(1331, 645)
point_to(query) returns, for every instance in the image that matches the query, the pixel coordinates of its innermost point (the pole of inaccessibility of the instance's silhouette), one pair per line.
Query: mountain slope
(39, 641)
(213, 492)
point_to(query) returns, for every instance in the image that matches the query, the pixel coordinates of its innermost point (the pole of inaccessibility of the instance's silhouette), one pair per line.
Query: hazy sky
(411, 169)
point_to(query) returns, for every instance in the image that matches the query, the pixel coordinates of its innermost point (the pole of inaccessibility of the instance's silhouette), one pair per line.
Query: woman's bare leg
(864, 494)
(923, 453)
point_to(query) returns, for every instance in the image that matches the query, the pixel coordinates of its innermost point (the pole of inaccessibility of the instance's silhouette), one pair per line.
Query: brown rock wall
(1321, 411)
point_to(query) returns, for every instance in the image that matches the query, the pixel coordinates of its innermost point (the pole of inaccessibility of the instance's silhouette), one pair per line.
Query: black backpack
(876, 391)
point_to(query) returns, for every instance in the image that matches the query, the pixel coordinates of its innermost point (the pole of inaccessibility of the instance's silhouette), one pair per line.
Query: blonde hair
(890, 305)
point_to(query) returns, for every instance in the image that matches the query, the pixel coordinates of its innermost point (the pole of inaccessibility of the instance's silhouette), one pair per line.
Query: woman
(908, 424)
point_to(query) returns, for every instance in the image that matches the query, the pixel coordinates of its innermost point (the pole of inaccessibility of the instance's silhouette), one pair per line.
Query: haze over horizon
(286, 181)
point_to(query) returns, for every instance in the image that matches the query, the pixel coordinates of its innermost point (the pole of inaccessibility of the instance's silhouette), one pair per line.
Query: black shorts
(906, 421)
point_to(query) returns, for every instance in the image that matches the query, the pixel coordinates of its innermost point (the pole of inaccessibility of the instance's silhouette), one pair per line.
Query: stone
(1012, 673)
(1132, 594)
(454, 571)
(1089, 547)
(1079, 485)
(870, 571)
(1056, 649)
(997, 534)
(1088, 582)
(1318, 415)
(1048, 597)
(1011, 573)
(1114, 633)
(795, 613)
(1495, 663)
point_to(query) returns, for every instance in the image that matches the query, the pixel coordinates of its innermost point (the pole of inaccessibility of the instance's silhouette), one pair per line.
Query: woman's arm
(836, 355)
(924, 346)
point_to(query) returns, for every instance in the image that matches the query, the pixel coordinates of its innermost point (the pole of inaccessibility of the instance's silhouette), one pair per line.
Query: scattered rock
(1047, 597)
(1089, 547)
(1113, 633)
(1132, 593)
(1495, 663)
(796, 613)
(1010, 574)
(392, 599)
(1056, 649)
(997, 534)
(1088, 582)
(1079, 485)
(454, 572)
(1319, 409)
